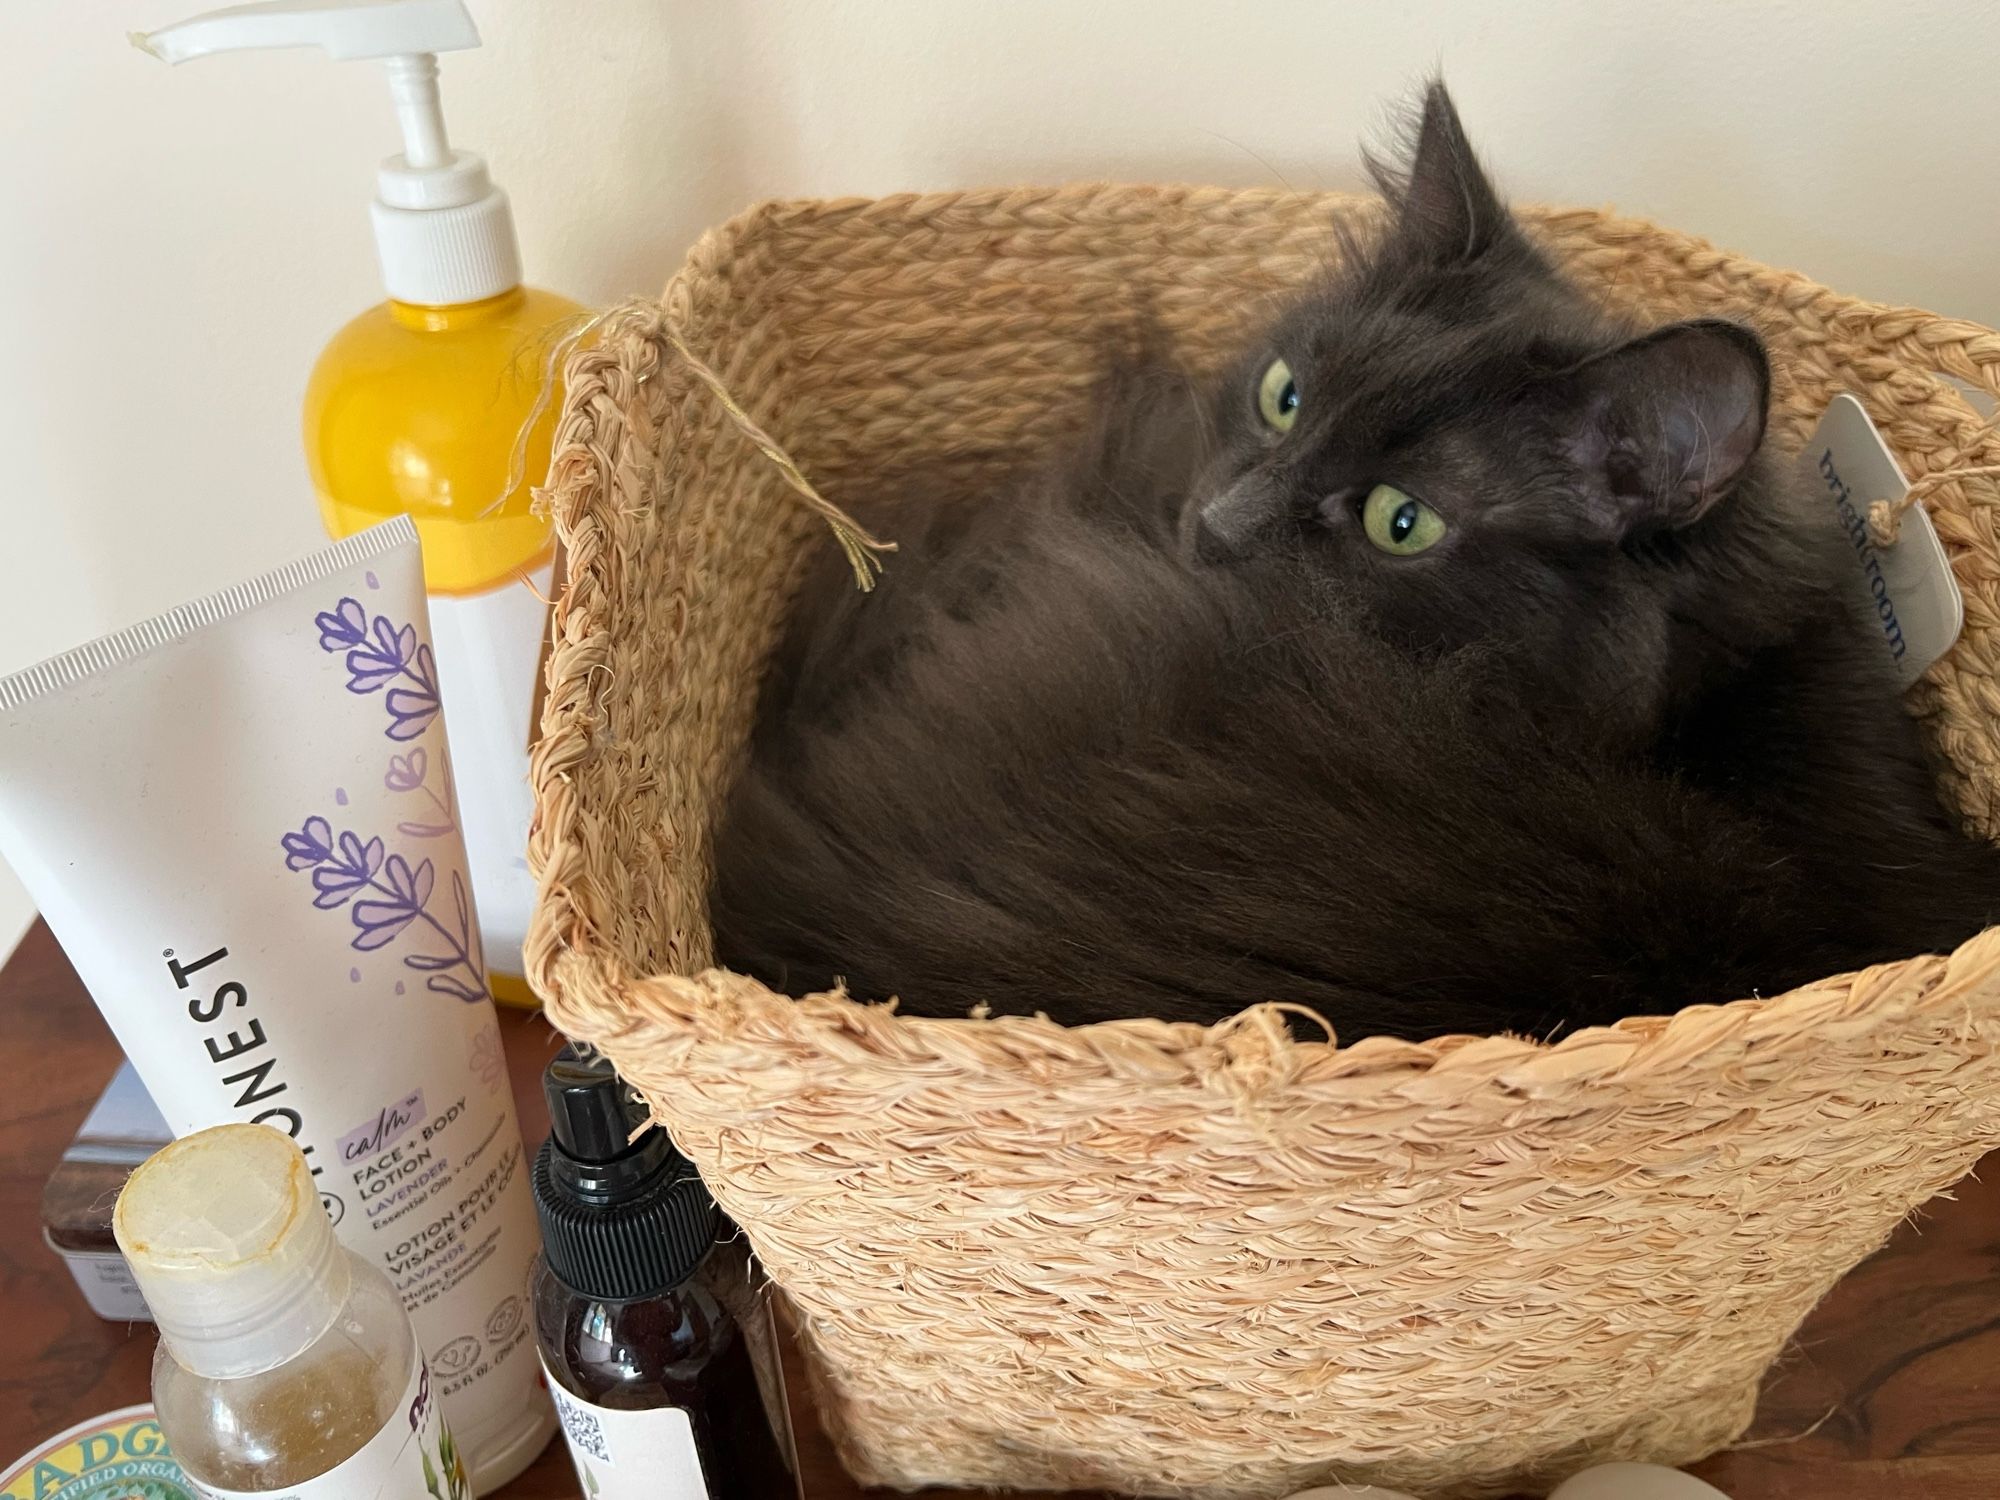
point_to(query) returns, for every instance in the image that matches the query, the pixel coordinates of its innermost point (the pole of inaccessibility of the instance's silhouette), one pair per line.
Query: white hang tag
(1911, 595)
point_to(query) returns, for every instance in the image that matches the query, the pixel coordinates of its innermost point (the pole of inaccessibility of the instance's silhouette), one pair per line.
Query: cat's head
(1469, 448)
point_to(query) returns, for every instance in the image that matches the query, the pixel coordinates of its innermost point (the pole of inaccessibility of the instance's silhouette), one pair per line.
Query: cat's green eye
(1278, 397)
(1399, 524)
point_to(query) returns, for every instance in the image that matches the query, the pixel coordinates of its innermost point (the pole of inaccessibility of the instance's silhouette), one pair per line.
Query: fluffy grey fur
(1160, 731)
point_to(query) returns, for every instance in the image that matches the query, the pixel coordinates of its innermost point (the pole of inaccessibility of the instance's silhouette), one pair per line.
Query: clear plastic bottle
(286, 1363)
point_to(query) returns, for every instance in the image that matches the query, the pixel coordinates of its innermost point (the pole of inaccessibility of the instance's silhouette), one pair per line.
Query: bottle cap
(594, 1114)
(621, 1218)
(443, 232)
(226, 1237)
(1636, 1482)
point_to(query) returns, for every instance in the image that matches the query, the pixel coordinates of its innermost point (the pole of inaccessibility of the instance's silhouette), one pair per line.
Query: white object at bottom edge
(1605, 1482)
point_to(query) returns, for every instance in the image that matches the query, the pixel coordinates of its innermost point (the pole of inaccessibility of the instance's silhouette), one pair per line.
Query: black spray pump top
(621, 1218)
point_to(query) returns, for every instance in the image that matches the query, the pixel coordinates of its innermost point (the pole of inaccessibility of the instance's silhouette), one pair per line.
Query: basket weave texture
(1169, 1259)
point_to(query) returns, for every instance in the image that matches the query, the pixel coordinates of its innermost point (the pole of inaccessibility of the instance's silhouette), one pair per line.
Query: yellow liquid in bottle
(416, 410)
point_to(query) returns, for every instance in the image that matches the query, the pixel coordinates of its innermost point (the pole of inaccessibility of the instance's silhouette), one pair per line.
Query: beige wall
(175, 245)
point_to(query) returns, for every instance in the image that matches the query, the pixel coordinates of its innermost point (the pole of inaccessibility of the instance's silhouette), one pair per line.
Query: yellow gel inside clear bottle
(416, 410)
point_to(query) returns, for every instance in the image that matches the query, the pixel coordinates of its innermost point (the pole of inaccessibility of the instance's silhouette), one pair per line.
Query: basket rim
(567, 960)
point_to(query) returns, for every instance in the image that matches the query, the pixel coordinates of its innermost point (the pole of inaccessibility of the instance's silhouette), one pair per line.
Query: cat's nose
(1226, 527)
(1211, 546)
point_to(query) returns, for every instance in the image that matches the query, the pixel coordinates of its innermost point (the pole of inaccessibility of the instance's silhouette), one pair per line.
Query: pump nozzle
(347, 33)
(619, 1218)
(443, 231)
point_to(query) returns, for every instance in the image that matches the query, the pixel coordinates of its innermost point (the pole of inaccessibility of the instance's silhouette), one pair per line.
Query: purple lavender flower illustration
(406, 772)
(409, 773)
(347, 869)
(486, 1058)
(382, 922)
(310, 846)
(379, 652)
(385, 895)
(346, 624)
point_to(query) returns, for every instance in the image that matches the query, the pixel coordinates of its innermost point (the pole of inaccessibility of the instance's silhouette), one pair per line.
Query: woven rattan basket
(1161, 1258)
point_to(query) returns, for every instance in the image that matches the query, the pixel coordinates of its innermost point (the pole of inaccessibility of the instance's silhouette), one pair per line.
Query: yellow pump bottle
(417, 408)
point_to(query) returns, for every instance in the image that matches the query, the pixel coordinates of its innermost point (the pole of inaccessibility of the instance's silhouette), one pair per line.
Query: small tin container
(122, 1129)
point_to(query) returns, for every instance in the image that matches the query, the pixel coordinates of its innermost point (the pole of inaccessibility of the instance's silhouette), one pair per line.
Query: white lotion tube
(238, 819)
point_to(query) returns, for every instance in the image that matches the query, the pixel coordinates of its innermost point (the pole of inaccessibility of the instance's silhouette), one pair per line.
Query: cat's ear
(1443, 204)
(1664, 426)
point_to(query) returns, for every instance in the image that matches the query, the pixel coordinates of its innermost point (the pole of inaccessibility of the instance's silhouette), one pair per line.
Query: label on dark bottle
(629, 1455)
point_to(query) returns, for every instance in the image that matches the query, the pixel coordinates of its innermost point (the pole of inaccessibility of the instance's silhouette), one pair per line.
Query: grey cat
(1461, 660)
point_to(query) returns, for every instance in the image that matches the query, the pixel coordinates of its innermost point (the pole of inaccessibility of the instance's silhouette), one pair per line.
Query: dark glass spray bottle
(651, 1331)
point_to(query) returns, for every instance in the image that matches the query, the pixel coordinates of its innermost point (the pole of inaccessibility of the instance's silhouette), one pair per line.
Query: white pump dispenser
(443, 231)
